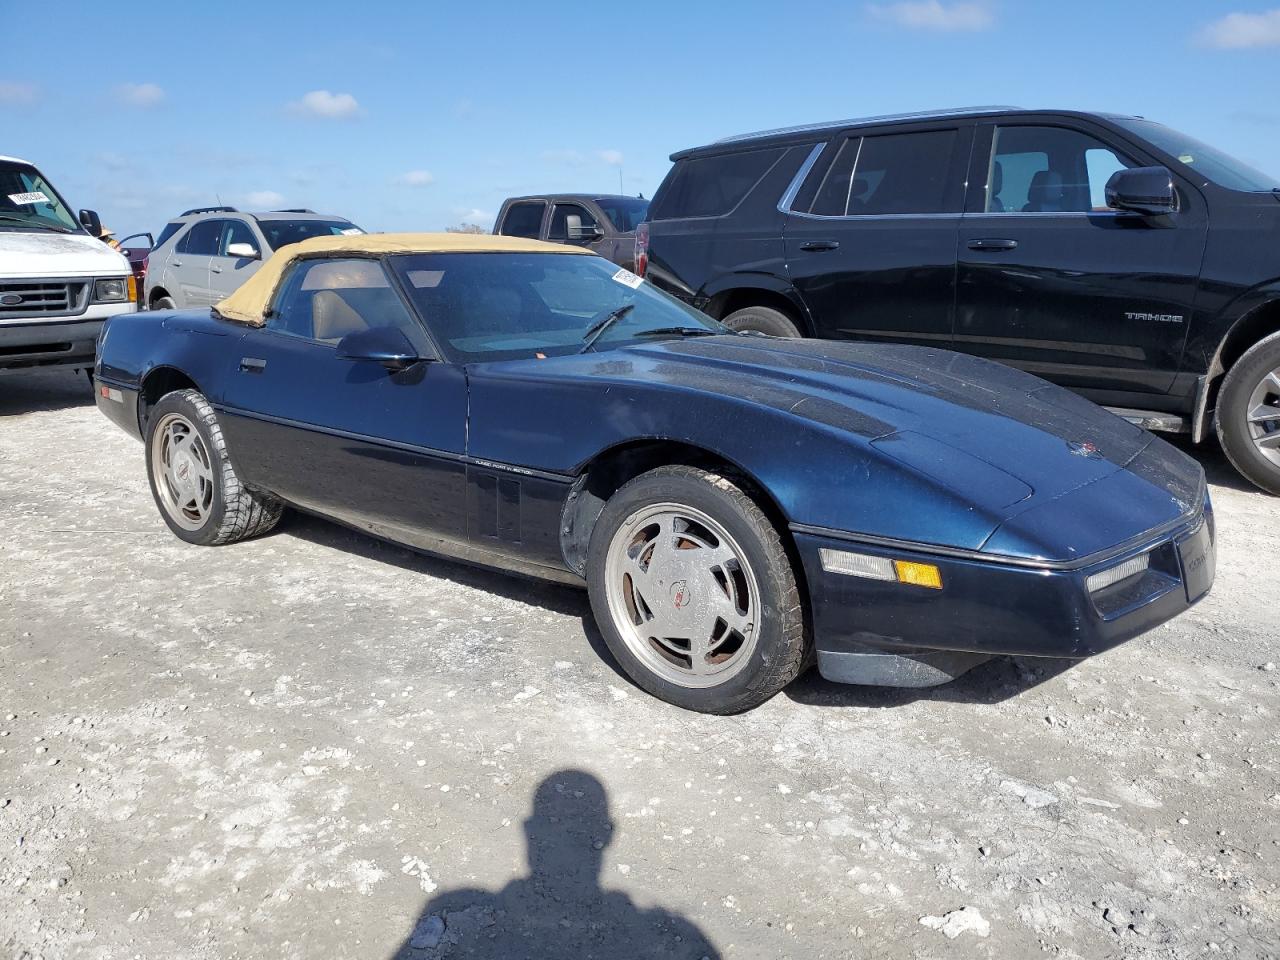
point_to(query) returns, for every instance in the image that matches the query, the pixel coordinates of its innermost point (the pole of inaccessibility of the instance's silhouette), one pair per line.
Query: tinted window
(325, 300)
(712, 186)
(625, 213)
(523, 220)
(560, 214)
(1222, 168)
(1049, 170)
(236, 231)
(901, 173)
(169, 230)
(503, 306)
(281, 233)
(202, 239)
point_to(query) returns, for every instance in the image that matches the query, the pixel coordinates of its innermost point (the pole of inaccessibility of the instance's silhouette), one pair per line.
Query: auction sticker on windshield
(36, 197)
(628, 279)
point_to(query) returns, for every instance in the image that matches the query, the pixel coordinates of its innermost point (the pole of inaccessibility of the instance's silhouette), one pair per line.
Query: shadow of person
(559, 910)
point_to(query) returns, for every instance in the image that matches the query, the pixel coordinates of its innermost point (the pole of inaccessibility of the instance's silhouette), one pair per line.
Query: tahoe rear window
(901, 173)
(712, 186)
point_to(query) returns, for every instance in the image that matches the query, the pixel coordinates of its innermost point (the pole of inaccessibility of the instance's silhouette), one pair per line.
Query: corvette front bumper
(890, 633)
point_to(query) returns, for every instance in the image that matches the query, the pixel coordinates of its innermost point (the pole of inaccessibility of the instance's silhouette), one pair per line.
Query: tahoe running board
(1153, 419)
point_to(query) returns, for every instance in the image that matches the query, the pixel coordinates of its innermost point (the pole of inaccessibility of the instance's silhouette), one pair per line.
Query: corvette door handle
(989, 244)
(252, 365)
(816, 245)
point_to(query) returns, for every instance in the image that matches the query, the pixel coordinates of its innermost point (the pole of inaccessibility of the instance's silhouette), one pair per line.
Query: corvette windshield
(28, 202)
(508, 306)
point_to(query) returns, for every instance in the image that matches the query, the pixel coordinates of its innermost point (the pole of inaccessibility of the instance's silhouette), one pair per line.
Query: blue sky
(424, 115)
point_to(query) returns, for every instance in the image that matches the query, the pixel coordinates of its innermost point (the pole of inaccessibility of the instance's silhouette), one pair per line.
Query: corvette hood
(1006, 441)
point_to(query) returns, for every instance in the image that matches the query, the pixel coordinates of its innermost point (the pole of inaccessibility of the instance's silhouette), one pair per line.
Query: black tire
(1234, 429)
(163, 303)
(780, 646)
(762, 320)
(234, 511)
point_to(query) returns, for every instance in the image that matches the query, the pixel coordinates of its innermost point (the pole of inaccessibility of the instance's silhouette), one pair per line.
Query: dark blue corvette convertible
(737, 505)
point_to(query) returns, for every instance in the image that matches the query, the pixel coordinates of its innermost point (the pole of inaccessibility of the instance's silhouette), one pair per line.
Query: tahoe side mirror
(576, 231)
(1146, 190)
(243, 251)
(90, 220)
(385, 345)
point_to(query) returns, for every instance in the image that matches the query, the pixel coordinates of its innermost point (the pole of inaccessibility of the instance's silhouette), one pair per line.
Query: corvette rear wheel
(194, 485)
(694, 593)
(1249, 414)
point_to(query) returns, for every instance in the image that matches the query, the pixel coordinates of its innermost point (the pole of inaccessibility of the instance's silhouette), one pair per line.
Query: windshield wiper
(676, 332)
(32, 223)
(604, 323)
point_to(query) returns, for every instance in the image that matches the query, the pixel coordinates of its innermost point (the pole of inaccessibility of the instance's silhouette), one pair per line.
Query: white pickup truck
(58, 281)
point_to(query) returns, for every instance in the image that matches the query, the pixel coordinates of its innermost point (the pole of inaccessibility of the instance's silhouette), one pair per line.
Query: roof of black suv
(788, 133)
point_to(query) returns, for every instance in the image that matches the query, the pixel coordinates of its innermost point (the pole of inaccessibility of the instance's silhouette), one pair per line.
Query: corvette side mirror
(385, 345)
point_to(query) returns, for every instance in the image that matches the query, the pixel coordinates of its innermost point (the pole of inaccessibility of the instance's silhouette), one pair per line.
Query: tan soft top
(250, 302)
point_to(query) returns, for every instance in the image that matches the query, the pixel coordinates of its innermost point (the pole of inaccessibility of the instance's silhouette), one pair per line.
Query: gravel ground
(318, 745)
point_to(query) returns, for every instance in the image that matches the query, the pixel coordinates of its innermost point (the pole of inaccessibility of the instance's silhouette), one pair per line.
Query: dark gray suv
(604, 223)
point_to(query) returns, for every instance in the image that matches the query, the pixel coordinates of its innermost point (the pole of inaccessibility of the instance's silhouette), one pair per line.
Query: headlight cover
(112, 290)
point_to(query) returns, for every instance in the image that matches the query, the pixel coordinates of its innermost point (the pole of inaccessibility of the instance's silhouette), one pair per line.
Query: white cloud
(415, 178)
(612, 157)
(1241, 31)
(326, 105)
(935, 15)
(18, 93)
(483, 218)
(264, 200)
(139, 94)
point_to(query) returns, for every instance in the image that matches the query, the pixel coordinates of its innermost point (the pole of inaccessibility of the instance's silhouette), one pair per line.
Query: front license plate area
(1197, 557)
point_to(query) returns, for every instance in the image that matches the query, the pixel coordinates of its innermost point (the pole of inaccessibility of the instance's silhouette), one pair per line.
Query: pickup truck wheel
(1249, 414)
(694, 593)
(762, 320)
(194, 485)
(163, 303)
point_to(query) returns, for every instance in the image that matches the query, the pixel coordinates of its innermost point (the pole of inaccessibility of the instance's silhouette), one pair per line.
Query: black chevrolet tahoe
(1110, 254)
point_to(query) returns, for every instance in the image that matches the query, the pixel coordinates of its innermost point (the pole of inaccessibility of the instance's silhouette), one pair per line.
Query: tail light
(642, 249)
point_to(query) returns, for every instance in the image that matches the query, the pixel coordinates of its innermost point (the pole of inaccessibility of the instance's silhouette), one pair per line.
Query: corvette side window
(325, 300)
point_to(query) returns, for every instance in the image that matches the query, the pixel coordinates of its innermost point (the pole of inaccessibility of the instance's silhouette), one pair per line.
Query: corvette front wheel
(694, 593)
(192, 479)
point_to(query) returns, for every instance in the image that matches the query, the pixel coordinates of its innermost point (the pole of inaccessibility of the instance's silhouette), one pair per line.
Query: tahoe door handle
(814, 245)
(252, 365)
(989, 244)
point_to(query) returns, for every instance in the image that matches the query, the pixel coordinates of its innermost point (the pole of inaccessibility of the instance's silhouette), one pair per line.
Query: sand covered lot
(317, 745)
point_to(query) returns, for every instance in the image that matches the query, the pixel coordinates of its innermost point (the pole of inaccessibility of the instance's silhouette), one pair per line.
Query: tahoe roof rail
(195, 210)
(862, 121)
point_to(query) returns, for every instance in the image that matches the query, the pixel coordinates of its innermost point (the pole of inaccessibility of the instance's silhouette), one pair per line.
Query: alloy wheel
(183, 470)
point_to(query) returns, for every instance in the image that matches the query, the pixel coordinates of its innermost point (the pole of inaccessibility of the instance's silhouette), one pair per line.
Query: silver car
(205, 254)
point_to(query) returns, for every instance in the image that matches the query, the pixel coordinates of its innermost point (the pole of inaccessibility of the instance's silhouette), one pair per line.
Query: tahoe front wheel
(194, 485)
(1249, 414)
(694, 593)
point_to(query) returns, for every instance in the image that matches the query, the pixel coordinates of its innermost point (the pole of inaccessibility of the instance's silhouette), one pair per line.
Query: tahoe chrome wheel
(183, 472)
(682, 595)
(1264, 416)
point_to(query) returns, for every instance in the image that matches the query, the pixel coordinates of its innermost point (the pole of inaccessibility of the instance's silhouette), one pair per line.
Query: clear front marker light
(880, 568)
(115, 290)
(1121, 571)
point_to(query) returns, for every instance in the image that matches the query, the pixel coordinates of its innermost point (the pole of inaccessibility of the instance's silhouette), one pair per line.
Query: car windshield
(1218, 167)
(281, 233)
(625, 213)
(28, 202)
(509, 306)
